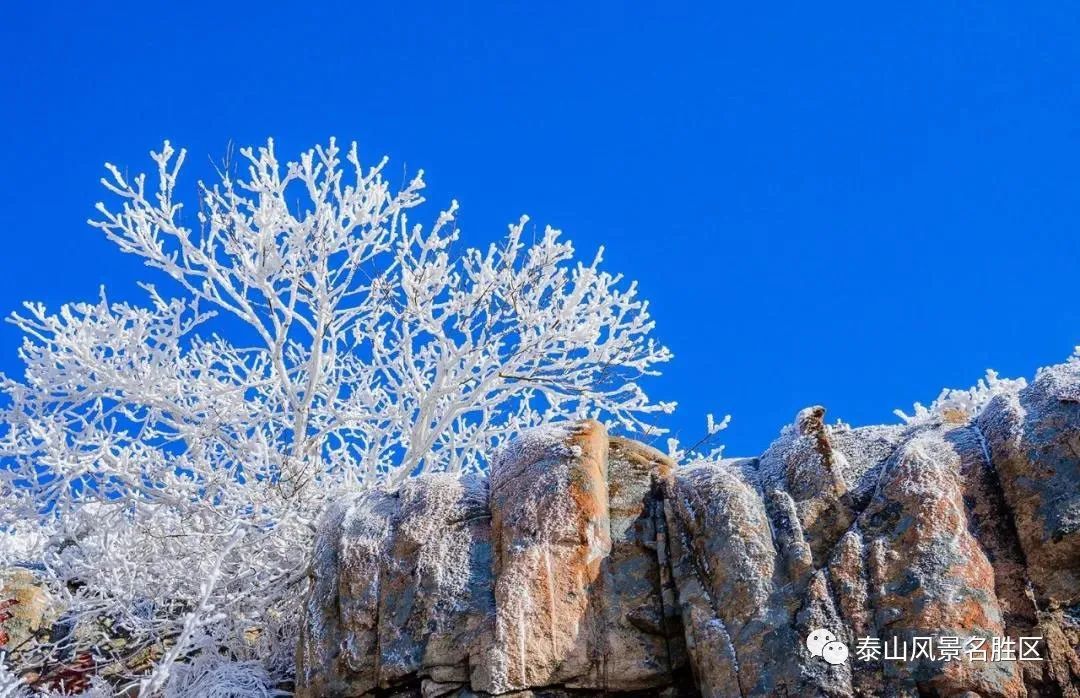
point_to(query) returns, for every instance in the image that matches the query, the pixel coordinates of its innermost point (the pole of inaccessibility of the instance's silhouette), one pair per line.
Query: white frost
(362, 349)
(961, 404)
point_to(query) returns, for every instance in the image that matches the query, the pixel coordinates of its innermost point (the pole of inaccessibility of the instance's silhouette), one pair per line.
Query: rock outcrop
(590, 564)
(25, 609)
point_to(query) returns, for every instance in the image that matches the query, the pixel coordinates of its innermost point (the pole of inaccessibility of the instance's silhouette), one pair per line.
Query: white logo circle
(834, 652)
(817, 639)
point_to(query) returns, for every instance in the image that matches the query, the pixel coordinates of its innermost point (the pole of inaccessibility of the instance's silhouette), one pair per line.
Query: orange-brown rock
(550, 531)
(25, 609)
(587, 564)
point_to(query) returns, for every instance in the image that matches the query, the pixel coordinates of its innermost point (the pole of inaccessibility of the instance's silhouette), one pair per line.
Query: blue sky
(843, 206)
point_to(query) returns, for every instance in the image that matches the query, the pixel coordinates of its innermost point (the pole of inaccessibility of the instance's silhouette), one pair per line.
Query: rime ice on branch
(157, 446)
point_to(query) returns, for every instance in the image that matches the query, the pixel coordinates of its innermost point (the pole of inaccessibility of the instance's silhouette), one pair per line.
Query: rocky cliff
(589, 564)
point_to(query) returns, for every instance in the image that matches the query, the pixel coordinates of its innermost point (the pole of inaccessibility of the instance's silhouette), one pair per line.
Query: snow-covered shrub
(11, 686)
(959, 405)
(212, 676)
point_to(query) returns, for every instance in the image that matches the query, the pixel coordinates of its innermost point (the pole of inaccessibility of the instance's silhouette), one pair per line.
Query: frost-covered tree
(167, 460)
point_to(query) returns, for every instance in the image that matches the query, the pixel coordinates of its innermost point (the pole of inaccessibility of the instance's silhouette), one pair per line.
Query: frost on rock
(862, 454)
(494, 584)
(1032, 439)
(532, 446)
(405, 575)
(438, 570)
(588, 564)
(341, 610)
(723, 566)
(550, 529)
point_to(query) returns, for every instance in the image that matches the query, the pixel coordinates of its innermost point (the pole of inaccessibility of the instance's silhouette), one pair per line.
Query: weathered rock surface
(25, 609)
(589, 564)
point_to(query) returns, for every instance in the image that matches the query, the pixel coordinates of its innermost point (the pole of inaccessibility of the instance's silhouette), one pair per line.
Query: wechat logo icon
(824, 644)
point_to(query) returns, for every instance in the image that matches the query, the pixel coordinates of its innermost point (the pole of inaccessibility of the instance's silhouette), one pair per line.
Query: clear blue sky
(846, 206)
